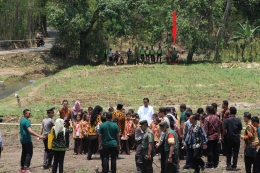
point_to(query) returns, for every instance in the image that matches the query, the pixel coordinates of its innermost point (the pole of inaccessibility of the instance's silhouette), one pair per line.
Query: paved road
(47, 46)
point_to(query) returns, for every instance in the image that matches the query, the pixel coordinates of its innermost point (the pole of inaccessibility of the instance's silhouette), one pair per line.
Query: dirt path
(48, 44)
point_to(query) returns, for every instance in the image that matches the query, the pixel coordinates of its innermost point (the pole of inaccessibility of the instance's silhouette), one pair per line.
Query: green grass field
(196, 85)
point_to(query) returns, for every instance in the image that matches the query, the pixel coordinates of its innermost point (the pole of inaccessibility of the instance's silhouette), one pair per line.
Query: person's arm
(170, 153)
(150, 146)
(41, 130)
(34, 134)
(118, 142)
(161, 139)
(248, 134)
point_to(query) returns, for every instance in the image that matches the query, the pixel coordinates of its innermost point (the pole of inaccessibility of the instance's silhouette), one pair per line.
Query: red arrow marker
(174, 27)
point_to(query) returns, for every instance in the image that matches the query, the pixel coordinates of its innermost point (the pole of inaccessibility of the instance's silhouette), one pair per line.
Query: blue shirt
(25, 136)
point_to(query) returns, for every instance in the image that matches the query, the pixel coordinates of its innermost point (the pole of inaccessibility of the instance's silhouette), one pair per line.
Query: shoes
(89, 158)
(215, 167)
(208, 165)
(203, 168)
(229, 167)
(185, 167)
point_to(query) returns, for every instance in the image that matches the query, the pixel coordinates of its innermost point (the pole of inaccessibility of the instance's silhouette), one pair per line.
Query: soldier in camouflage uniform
(145, 159)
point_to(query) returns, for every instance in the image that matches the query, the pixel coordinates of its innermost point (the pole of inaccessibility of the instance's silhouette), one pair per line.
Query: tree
(246, 34)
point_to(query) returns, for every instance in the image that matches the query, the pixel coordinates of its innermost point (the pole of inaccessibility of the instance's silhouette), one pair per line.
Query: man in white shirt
(146, 111)
(110, 55)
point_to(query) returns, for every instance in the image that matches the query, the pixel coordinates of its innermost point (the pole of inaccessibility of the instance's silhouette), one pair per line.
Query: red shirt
(212, 124)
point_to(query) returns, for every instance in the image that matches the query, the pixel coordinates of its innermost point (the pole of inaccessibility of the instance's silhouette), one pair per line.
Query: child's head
(78, 117)
(128, 116)
(157, 120)
(90, 110)
(154, 117)
(131, 111)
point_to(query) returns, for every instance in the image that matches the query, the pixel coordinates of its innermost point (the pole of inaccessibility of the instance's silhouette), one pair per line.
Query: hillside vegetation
(196, 85)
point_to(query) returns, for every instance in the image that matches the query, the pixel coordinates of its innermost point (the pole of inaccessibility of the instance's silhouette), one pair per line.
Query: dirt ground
(10, 159)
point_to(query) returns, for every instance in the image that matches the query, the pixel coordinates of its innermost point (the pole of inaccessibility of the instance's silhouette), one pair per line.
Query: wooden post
(2, 85)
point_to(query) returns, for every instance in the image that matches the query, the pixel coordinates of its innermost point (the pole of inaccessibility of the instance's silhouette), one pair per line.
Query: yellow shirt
(91, 131)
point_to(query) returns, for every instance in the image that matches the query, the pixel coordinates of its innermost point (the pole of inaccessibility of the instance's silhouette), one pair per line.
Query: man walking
(212, 129)
(232, 128)
(26, 133)
(146, 111)
(255, 123)
(146, 158)
(46, 127)
(138, 139)
(170, 148)
(249, 137)
(109, 140)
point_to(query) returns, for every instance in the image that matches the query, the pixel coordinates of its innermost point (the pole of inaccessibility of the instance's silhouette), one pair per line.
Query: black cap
(119, 107)
(135, 115)
(168, 109)
(51, 109)
(143, 122)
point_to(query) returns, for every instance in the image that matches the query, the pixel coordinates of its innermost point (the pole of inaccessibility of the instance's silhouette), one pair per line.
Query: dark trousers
(146, 166)
(91, 147)
(27, 153)
(48, 154)
(197, 161)
(171, 167)
(213, 153)
(67, 139)
(85, 145)
(147, 57)
(58, 160)
(163, 157)
(152, 58)
(125, 147)
(78, 145)
(189, 157)
(232, 148)
(256, 167)
(142, 58)
(101, 152)
(248, 163)
(131, 142)
(138, 153)
(110, 59)
(106, 152)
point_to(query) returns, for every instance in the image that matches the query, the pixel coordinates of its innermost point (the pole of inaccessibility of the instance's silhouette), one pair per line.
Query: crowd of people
(148, 55)
(173, 138)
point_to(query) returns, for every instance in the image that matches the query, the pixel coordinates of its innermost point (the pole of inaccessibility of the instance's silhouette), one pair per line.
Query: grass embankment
(196, 85)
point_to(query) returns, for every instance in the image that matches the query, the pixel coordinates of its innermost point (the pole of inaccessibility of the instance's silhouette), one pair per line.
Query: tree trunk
(190, 54)
(43, 17)
(83, 47)
(221, 33)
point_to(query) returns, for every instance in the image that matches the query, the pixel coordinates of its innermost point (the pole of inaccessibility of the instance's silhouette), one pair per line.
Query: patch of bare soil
(10, 160)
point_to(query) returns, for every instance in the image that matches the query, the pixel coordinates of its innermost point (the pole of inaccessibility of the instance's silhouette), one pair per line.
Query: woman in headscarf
(76, 110)
(59, 144)
(95, 120)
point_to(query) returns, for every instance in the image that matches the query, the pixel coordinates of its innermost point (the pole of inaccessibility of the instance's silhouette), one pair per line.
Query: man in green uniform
(142, 54)
(170, 148)
(159, 54)
(147, 54)
(146, 158)
(152, 55)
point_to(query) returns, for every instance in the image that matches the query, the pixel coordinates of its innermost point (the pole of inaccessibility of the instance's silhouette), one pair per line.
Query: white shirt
(146, 113)
(110, 52)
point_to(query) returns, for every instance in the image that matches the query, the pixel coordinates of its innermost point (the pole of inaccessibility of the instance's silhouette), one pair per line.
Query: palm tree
(246, 34)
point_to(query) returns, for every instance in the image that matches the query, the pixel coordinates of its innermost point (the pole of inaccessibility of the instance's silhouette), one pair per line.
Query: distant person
(212, 129)
(110, 55)
(249, 137)
(174, 55)
(95, 121)
(142, 52)
(111, 110)
(26, 133)
(121, 61)
(159, 54)
(152, 52)
(232, 129)
(76, 110)
(79, 132)
(146, 111)
(255, 123)
(105, 54)
(1, 144)
(46, 126)
(109, 140)
(65, 114)
(224, 116)
(182, 121)
(59, 144)
(147, 54)
(129, 53)
(116, 57)
(215, 106)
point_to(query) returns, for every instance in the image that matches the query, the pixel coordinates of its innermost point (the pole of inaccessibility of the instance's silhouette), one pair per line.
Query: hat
(119, 107)
(51, 109)
(135, 115)
(168, 109)
(163, 123)
(143, 122)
